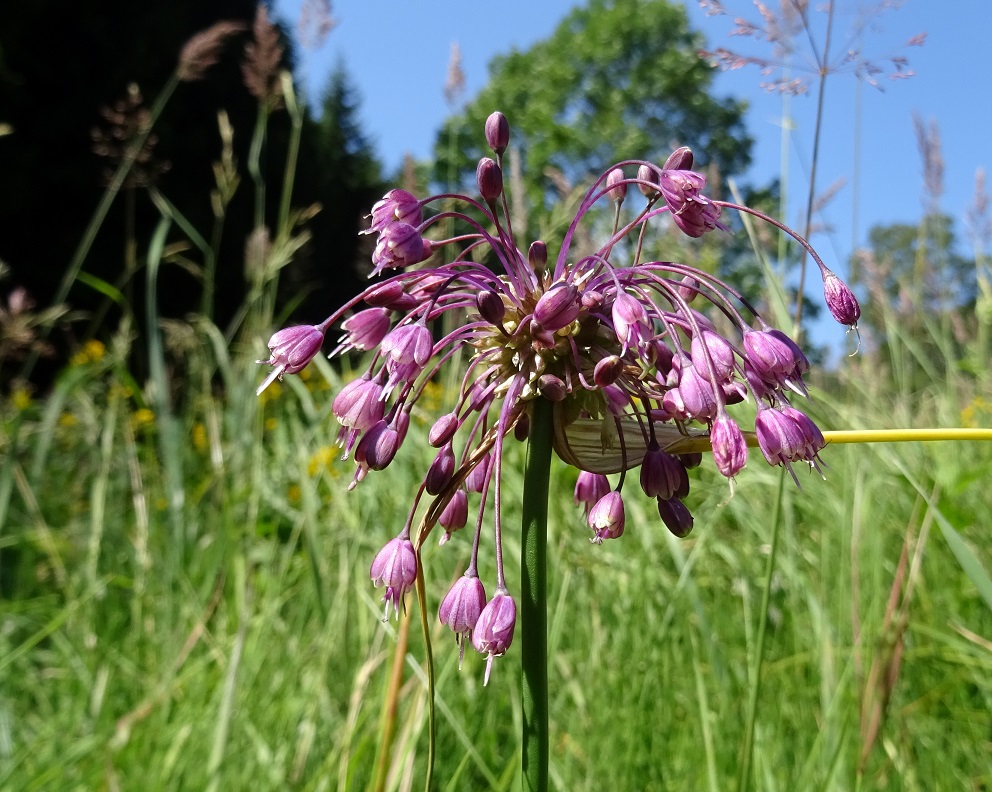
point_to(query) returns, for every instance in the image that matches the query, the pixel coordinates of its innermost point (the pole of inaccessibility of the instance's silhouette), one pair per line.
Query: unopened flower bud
(840, 300)
(441, 470)
(551, 387)
(608, 370)
(557, 307)
(648, 178)
(537, 255)
(680, 159)
(489, 179)
(616, 186)
(590, 488)
(729, 446)
(366, 329)
(491, 307)
(443, 430)
(676, 517)
(521, 429)
(497, 132)
(454, 516)
(391, 295)
(689, 288)
(662, 475)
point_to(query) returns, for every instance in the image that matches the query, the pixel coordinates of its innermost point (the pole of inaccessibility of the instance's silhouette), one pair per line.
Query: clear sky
(397, 55)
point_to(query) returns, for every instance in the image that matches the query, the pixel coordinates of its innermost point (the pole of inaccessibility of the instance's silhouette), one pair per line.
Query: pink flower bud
(729, 446)
(497, 132)
(395, 567)
(606, 518)
(493, 632)
(461, 607)
(840, 300)
(537, 255)
(291, 349)
(489, 179)
(557, 307)
(680, 159)
(616, 186)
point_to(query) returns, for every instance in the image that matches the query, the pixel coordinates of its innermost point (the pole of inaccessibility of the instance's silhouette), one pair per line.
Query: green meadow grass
(232, 640)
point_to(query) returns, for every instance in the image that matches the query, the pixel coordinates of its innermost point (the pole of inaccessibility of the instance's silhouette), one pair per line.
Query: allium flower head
(633, 374)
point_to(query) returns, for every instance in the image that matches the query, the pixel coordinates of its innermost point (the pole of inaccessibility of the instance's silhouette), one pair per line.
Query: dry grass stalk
(263, 56)
(203, 50)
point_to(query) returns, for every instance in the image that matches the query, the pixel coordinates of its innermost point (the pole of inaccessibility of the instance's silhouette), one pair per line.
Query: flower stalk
(534, 600)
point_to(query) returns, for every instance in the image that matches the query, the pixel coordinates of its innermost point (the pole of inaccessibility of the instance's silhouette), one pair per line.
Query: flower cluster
(640, 359)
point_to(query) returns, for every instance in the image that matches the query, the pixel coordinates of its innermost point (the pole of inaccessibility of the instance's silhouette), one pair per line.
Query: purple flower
(291, 350)
(729, 446)
(840, 300)
(608, 337)
(461, 607)
(395, 567)
(606, 518)
(397, 206)
(493, 631)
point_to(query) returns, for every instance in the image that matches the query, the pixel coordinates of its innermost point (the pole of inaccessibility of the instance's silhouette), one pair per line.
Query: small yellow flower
(293, 493)
(68, 420)
(91, 352)
(199, 437)
(142, 418)
(21, 398)
(321, 461)
(270, 424)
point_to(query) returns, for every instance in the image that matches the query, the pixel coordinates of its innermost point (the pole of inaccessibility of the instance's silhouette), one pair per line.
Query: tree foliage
(618, 79)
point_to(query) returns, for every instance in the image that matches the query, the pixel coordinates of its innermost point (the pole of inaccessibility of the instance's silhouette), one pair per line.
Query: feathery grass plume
(798, 45)
(204, 48)
(454, 82)
(263, 56)
(602, 341)
(315, 23)
(20, 324)
(127, 120)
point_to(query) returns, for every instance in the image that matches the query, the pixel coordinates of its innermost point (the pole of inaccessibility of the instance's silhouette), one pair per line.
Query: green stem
(744, 779)
(534, 601)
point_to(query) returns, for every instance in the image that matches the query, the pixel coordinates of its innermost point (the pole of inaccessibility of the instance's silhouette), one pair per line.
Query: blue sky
(397, 54)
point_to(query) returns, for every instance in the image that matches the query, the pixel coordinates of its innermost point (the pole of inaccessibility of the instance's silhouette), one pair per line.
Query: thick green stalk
(534, 601)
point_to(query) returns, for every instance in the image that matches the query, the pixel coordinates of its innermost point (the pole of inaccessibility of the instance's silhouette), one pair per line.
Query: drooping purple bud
(771, 357)
(689, 288)
(691, 459)
(454, 515)
(552, 388)
(590, 488)
(616, 399)
(813, 441)
(729, 445)
(662, 475)
(395, 206)
(359, 404)
(608, 370)
(696, 390)
(366, 329)
(537, 255)
(443, 430)
(461, 607)
(676, 517)
(390, 294)
(378, 446)
(440, 473)
(497, 132)
(616, 186)
(493, 632)
(607, 518)
(491, 307)
(399, 245)
(475, 481)
(840, 300)
(779, 436)
(410, 343)
(721, 353)
(557, 307)
(802, 362)
(692, 212)
(680, 159)
(521, 429)
(489, 179)
(648, 180)
(395, 567)
(290, 350)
